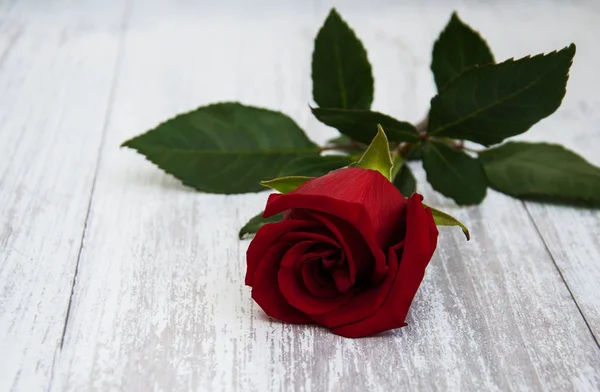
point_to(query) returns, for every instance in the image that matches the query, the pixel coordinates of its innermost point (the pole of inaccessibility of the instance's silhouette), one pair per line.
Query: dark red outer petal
(266, 236)
(420, 244)
(266, 291)
(362, 197)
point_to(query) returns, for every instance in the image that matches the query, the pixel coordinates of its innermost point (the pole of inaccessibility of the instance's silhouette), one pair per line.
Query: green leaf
(454, 173)
(443, 219)
(314, 166)
(487, 104)
(341, 140)
(341, 72)
(414, 154)
(377, 157)
(224, 147)
(347, 145)
(542, 171)
(361, 125)
(458, 47)
(256, 223)
(285, 184)
(397, 163)
(405, 181)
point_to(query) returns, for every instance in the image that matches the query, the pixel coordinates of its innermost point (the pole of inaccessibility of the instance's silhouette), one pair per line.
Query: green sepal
(286, 184)
(377, 156)
(442, 219)
(397, 162)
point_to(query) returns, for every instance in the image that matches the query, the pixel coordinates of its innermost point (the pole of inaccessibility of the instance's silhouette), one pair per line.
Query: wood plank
(55, 77)
(571, 234)
(159, 302)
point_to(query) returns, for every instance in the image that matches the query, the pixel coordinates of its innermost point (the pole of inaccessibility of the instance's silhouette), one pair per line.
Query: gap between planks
(562, 277)
(120, 53)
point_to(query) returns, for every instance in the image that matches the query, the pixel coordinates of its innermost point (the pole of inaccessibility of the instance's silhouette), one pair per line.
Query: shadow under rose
(386, 335)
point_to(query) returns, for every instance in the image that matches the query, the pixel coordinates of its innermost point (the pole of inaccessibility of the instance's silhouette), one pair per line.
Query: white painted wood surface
(158, 301)
(55, 76)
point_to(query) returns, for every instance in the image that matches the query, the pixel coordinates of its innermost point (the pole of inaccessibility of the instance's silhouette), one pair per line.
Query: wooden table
(113, 276)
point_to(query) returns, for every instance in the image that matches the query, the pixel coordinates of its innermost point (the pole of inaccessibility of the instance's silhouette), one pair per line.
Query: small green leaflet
(224, 147)
(458, 47)
(402, 177)
(377, 157)
(541, 171)
(256, 223)
(285, 184)
(489, 103)
(314, 166)
(397, 163)
(405, 181)
(361, 125)
(341, 71)
(443, 219)
(454, 173)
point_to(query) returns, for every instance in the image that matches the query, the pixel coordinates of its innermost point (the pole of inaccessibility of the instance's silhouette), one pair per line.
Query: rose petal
(316, 281)
(293, 288)
(266, 291)
(420, 243)
(365, 302)
(358, 254)
(361, 197)
(384, 203)
(342, 280)
(359, 259)
(264, 238)
(316, 234)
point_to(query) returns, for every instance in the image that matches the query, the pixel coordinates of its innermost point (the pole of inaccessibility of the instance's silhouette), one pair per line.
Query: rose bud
(349, 254)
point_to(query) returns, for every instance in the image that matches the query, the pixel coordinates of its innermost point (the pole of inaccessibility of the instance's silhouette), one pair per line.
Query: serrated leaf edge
(445, 126)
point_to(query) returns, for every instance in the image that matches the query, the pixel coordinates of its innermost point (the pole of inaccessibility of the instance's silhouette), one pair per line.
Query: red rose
(349, 255)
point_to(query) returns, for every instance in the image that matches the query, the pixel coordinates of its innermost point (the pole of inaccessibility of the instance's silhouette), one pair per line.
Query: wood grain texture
(54, 93)
(159, 302)
(573, 234)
